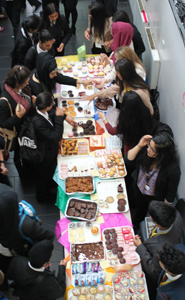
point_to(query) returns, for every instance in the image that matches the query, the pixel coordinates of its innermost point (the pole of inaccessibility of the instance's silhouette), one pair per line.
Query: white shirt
(39, 50)
(35, 269)
(45, 115)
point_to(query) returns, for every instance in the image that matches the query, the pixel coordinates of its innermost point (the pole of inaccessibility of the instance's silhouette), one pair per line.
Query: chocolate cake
(103, 103)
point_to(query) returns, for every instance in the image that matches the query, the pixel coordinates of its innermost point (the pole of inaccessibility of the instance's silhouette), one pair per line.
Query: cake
(103, 103)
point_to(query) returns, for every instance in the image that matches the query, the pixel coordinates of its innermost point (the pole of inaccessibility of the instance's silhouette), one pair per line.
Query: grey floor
(49, 214)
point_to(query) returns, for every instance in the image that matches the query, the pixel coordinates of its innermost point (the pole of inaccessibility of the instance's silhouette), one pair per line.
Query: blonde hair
(128, 53)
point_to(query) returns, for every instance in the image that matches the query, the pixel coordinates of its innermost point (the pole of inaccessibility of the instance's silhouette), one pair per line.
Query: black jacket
(31, 56)
(37, 87)
(139, 46)
(48, 136)
(167, 180)
(35, 285)
(60, 31)
(22, 44)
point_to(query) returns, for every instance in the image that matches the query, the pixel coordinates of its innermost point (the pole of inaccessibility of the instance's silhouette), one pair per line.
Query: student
(57, 25)
(134, 121)
(32, 277)
(11, 241)
(45, 44)
(139, 47)
(26, 37)
(172, 279)
(100, 23)
(48, 131)
(127, 79)
(168, 229)
(155, 168)
(46, 76)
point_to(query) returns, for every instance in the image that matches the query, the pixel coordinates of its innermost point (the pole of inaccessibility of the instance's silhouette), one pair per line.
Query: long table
(58, 180)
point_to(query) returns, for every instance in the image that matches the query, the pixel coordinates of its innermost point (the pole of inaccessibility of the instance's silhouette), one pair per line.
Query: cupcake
(100, 289)
(84, 71)
(84, 291)
(79, 67)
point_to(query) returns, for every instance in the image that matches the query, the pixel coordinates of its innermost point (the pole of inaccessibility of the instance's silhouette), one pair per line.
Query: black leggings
(74, 15)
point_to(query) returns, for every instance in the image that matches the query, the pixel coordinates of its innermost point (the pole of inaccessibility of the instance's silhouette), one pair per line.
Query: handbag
(7, 134)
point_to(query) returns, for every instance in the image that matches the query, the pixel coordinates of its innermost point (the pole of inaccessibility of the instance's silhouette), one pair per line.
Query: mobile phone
(18, 107)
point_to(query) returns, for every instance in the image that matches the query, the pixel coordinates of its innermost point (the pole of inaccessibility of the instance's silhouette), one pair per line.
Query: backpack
(26, 209)
(28, 149)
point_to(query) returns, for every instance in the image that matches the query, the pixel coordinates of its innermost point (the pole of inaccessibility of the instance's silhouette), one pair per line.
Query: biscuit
(110, 199)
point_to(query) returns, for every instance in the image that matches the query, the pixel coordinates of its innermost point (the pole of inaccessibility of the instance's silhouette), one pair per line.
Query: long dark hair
(166, 152)
(49, 10)
(127, 71)
(135, 119)
(121, 16)
(99, 14)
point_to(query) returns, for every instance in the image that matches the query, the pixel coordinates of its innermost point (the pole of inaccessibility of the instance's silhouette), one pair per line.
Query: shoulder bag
(7, 134)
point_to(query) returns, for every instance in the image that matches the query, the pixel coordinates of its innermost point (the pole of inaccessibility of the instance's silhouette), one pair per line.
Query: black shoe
(73, 30)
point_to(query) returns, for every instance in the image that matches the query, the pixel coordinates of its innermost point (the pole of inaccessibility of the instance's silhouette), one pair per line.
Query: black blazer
(31, 284)
(31, 56)
(48, 136)
(166, 182)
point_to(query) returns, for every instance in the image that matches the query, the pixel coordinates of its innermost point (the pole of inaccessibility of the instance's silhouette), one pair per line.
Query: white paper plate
(77, 232)
(109, 188)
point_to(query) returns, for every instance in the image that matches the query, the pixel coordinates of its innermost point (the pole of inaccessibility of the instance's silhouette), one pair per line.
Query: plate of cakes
(87, 252)
(99, 292)
(76, 92)
(77, 108)
(130, 286)
(84, 127)
(75, 166)
(119, 246)
(73, 147)
(112, 196)
(103, 104)
(110, 163)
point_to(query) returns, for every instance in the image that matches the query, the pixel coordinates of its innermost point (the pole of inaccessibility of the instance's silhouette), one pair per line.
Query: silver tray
(79, 218)
(85, 193)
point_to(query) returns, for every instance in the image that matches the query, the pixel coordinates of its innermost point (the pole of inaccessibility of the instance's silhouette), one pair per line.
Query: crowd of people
(149, 150)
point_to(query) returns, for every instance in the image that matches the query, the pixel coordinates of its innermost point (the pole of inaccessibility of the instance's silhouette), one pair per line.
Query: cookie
(110, 199)
(121, 196)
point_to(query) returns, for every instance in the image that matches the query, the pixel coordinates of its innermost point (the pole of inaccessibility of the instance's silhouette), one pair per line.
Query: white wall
(171, 83)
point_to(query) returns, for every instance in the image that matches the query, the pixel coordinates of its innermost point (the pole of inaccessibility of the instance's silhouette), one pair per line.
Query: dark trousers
(141, 203)
(14, 15)
(46, 188)
(46, 2)
(74, 15)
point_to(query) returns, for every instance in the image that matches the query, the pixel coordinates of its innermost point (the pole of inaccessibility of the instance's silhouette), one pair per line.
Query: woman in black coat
(48, 128)
(58, 26)
(156, 171)
(46, 76)
(19, 98)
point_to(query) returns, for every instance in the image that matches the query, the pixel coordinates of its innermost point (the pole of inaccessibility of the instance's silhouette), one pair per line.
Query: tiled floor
(49, 214)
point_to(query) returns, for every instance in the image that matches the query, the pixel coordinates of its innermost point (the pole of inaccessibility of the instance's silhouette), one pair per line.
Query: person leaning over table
(154, 166)
(45, 44)
(126, 80)
(48, 126)
(32, 277)
(171, 283)
(99, 29)
(121, 52)
(168, 229)
(134, 121)
(45, 77)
